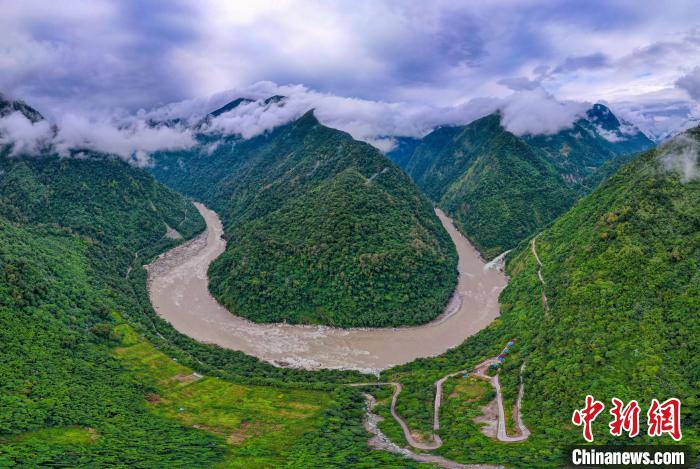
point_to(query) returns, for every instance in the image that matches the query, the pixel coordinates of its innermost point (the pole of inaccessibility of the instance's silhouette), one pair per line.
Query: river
(177, 282)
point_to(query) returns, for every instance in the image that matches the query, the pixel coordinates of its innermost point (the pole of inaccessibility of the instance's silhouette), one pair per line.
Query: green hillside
(501, 188)
(68, 231)
(621, 272)
(322, 229)
(498, 189)
(91, 377)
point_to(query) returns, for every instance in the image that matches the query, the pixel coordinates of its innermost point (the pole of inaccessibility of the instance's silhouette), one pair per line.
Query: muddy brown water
(178, 290)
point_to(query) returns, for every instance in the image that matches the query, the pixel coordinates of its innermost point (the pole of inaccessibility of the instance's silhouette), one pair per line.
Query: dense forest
(497, 188)
(321, 229)
(92, 377)
(621, 271)
(501, 188)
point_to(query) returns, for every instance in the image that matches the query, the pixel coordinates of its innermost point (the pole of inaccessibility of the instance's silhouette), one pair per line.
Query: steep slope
(68, 232)
(321, 228)
(403, 149)
(495, 186)
(91, 377)
(500, 187)
(621, 273)
(594, 140)
(103, 199)
(228, 107)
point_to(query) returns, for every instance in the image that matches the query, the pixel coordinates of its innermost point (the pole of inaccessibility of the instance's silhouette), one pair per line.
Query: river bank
(178, 290)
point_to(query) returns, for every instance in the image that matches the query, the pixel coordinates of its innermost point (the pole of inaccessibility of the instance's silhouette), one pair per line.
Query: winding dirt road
(533, 247)
(480, 372)
(502, 435)
(178, 288)
(381, 442)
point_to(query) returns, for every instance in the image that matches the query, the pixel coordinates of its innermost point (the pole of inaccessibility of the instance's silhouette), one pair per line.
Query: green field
(258, 423)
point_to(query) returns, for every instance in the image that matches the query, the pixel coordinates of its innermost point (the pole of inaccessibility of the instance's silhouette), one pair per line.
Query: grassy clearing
(57, 436)
(257, 422)
(467, 389)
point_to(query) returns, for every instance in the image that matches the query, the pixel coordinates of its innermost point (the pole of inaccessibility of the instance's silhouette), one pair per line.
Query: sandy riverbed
(178, 291)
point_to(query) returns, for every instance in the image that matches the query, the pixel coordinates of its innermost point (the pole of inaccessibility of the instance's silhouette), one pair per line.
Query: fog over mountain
(248, 112)
(375, 69)
(358, 234)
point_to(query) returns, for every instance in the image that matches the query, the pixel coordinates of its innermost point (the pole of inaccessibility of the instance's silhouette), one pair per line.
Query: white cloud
(524, 112)
(537, 112)
(609, 135)
(690, 82)
(680, 155)
(25, 137)
(132, 142)
(363, 119)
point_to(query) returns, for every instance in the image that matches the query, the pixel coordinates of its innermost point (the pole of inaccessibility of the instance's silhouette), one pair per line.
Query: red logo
(587, 415)
(625, 418)
(665, 418)
(662, 418)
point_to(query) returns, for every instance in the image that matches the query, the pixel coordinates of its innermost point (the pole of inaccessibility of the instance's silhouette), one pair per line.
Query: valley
(178, 288)
(315, 309)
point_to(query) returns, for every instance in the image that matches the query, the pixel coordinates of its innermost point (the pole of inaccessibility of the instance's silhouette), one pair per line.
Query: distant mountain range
(689, 123)
(500, 187)
(592, 141)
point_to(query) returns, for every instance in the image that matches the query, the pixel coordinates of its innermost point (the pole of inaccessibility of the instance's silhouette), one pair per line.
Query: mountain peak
(8, 106)
(308, 118)
(230, 106)
(275, 99)
(601, 115)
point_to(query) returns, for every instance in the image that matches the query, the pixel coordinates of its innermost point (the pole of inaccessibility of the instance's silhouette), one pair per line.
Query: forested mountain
(500, 188)
(91, 377)
(622, 272)
(621, 275)
(69, 231)
(322, 228)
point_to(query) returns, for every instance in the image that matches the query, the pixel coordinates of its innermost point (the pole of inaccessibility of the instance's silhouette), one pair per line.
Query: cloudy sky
(376, 67)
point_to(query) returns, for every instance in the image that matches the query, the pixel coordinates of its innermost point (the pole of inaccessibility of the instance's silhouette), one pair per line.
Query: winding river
(178, 281)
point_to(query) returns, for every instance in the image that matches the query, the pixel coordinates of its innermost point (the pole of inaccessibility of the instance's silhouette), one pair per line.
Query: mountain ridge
(301, 199)
(464, 170)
